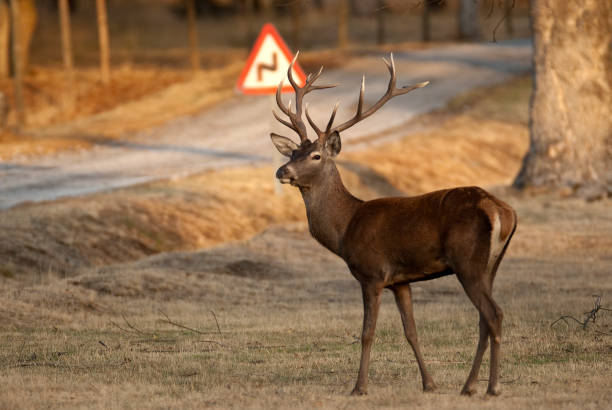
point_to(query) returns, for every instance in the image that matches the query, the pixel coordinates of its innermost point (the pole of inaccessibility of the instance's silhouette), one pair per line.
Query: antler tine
(296, 123)
(316, 129)
(279, 99)
(331, 119)
(391, 92)
(361, 93)
(391, 68)
(285, 123)
(290, 75)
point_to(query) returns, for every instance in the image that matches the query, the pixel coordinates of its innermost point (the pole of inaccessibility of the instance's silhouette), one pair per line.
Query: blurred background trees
(168, 39)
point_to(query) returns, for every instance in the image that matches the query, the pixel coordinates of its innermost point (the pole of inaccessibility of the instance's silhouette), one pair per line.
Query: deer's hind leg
(476, 252)
(403, 298)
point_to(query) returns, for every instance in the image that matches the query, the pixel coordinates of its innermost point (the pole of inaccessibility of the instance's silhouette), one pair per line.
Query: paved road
(236, 131)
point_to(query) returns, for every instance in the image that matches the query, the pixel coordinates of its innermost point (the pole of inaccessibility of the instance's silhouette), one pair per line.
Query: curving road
(235, 132)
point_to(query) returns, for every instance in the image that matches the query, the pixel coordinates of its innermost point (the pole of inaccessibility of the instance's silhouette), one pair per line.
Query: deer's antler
(295, 118)
(392, 91)
(297, 124)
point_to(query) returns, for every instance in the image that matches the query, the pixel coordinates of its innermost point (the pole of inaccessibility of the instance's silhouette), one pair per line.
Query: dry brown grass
(137, 99)
(289, 314)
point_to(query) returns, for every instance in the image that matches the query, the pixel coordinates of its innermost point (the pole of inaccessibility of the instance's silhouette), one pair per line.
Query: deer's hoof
(358, 391)
(468, 391)
(429, 387)
(493, 391)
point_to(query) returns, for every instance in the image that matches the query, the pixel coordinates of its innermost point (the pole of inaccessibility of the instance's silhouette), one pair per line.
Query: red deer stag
(392, 242)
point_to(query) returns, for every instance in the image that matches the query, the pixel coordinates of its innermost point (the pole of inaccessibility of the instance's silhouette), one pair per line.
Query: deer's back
(409, 237)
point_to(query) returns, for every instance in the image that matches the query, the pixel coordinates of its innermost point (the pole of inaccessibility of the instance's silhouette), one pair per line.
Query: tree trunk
(509, 23)
(469, 22)
(5, 39)
(64, 12)
(28, 18)
(571, 105)
(18, 60)
(296, 23)
(103, 39)
(343, 15)
(381, 11)
(425, 23)
(193, 35)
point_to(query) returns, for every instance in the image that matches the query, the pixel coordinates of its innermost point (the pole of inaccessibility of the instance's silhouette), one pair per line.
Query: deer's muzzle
(283, 174)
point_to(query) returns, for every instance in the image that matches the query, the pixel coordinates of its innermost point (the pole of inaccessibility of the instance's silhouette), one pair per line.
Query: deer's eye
(316, 157)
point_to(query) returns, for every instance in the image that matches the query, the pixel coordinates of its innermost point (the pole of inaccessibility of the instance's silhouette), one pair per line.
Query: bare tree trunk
(381, 11)
(469, 23)
(343, 16)
(18, 62)
(249, 9)
(571, 106)
(103, 39)
(27, 24)
(296, 23)
(64, 12)
(509, 23)
(193, 35)
(5, 39)
(425, 26)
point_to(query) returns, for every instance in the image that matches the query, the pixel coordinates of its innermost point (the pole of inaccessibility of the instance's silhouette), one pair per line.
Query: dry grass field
(209, 292)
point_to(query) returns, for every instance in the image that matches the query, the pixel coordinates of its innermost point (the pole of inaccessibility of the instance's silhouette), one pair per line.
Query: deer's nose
(284, 175)
(281, 172)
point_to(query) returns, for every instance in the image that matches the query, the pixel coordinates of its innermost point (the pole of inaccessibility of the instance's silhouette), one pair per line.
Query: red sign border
(268, 29)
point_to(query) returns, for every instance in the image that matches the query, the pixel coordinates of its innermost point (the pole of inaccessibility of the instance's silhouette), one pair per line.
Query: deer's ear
(283, 144)
(333, 144)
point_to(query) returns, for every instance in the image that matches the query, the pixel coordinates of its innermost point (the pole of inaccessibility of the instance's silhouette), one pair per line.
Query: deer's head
(308, 159)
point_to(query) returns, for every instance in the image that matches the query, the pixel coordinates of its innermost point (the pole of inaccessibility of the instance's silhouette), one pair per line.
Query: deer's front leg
(371, 303)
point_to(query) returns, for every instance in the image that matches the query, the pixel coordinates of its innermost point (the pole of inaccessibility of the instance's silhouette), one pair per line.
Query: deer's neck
(329, 208)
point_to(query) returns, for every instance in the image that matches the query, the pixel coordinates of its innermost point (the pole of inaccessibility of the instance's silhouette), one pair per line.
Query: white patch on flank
(496, 243)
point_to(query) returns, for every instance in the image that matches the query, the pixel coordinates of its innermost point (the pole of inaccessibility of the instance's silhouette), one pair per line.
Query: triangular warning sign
(267, 65)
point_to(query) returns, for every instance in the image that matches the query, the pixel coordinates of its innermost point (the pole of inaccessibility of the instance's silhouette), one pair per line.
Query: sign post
(266, 67)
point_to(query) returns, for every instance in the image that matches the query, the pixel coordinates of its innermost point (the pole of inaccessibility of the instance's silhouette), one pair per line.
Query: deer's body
(392, 242)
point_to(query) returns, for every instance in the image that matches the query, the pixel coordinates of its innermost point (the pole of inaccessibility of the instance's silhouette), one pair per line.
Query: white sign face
(267, 65)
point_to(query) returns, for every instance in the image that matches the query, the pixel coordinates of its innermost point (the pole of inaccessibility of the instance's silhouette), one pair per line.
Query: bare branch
(216, 321)
(181, 326)
(590, 316)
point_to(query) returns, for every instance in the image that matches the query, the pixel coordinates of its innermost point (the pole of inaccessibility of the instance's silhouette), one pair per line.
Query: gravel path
(236, 132)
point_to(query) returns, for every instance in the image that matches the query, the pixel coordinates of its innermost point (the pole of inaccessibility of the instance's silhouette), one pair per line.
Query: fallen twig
(590, 316)
(215, 342)
(182, 326)
(131, 326)
(216, 321)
